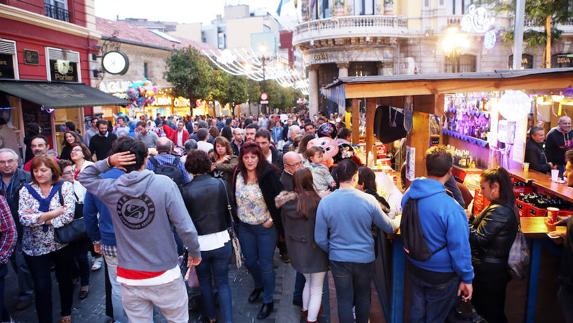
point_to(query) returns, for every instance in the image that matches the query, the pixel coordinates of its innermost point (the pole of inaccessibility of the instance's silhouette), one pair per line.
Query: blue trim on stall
(398, 273)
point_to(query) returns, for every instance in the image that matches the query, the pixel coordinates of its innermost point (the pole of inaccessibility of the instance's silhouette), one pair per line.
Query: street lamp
(454, 43)
(263, 51)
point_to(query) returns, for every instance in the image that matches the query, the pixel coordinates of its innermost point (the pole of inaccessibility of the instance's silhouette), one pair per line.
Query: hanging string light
(245, 62)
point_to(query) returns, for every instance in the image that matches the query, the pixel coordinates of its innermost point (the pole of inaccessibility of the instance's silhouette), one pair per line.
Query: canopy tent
(59, 95)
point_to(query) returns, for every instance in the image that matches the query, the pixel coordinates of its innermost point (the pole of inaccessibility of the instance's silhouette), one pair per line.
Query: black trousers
(489, 286)
(40, 269)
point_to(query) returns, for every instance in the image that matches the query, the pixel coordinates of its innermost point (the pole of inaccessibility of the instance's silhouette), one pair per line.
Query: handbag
(234, 239)
(191, 278)
(519, 256)
(74, 230)
(464, 312)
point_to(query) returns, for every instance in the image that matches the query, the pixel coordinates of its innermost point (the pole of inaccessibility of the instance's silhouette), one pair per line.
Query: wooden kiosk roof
(427, 84)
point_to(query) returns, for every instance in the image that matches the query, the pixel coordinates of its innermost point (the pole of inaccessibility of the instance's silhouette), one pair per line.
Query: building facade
(51, 41)
(340, 38)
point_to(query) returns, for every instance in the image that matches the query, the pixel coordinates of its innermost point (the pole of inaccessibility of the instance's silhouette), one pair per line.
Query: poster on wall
(519, 142)
(410, 163)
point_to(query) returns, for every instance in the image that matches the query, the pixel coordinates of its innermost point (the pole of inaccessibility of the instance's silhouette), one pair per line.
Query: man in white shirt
(202, 144)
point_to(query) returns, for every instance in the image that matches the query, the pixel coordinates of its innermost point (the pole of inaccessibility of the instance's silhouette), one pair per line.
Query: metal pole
(518, 33)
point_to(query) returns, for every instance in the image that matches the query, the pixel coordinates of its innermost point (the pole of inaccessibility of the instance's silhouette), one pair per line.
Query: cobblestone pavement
(92, 309)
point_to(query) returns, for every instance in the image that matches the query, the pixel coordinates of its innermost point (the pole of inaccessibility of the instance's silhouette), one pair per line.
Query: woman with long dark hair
(299, 217)
(70, 138)
(224, 162)
(491, 236)
(206, 201)
(367, 184)
(256, 184)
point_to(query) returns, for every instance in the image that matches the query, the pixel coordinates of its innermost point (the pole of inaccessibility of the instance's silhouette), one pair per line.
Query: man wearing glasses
(13, 179)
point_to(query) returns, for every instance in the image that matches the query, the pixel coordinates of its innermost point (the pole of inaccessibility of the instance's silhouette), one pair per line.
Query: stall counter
(544, 182)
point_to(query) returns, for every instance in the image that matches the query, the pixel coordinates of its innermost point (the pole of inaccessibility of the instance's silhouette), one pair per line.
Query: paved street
(92, 309)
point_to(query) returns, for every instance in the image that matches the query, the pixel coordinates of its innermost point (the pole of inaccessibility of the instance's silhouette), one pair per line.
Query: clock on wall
(115, 62)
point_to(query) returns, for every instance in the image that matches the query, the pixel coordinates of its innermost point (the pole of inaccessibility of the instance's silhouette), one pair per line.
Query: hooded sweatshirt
(144, 207)
(443, 222)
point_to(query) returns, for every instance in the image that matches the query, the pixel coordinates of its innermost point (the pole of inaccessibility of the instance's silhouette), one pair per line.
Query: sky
(187, 10)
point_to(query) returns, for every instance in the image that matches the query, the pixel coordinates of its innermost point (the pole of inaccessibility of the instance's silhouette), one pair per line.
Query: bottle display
(467, 115)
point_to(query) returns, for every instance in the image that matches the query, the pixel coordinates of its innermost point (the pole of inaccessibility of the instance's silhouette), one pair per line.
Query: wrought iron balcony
(57, 12)
(350, 26)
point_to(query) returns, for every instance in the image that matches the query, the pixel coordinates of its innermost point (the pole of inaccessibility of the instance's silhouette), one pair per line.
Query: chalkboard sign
(6, 66)
(63, 71)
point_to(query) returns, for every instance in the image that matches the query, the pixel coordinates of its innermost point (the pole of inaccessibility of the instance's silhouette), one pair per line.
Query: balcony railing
(566, 27)
(57, 12)
(350, 26)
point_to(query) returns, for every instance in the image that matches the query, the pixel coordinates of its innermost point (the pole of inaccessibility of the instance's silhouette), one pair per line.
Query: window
(427, 4)
(145, 70)
(57, 9)
(461, 64)
(363, 7)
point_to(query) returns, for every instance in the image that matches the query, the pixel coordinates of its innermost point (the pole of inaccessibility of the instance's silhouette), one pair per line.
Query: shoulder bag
(234, 239)
(74, 230)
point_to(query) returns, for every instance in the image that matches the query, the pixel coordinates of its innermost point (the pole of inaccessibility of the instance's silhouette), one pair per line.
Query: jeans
(352, 281)
(565, 297)
(81, 261)
(215, 263)
(432, 302)
(25, 283)
(489, 291)
(171, 299)
(40, 268)
(4, 316)
(258, 246)
(118, 312)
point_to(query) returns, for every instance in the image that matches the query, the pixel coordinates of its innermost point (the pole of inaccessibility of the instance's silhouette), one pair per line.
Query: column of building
(314, 91)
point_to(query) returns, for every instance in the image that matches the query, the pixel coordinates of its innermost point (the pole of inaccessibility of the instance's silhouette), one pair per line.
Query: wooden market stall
(426, 94)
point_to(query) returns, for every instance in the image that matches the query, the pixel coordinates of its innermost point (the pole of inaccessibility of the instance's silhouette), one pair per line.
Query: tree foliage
(194, 77)
(536, 13)
(189, 72)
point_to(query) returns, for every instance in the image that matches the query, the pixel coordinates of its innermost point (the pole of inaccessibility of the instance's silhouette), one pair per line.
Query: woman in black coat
(256, 183)
(299, 218)
(491, 236)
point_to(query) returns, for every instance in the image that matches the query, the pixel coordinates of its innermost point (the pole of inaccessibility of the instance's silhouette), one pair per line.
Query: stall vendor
(559, 140)
(534, 153)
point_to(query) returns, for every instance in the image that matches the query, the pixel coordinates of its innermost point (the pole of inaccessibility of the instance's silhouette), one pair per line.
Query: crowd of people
(166, 197)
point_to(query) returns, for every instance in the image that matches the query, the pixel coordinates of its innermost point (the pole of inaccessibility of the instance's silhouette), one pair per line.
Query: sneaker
(84, 291)
(97, 264)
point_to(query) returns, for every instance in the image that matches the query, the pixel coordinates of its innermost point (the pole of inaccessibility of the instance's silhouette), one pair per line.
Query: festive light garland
(245, 62)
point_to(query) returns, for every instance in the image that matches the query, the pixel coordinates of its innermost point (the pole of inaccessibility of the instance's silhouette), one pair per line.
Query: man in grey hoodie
(145, 207)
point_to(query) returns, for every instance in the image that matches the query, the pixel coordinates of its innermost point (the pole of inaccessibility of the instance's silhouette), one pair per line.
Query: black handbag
(74, 230)
(464, 312)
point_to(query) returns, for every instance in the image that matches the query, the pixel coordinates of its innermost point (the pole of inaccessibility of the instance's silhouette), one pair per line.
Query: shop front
(484, 118)
(51, 105)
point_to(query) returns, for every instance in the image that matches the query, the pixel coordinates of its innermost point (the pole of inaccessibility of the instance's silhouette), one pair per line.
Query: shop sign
(562, 60)
(114, 86)
(6, 66)
(31, 57)
(162, 100)
(182, 102)
(526, 61)
(62, 70)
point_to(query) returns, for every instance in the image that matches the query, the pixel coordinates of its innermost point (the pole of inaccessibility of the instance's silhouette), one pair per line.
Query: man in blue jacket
(448, 272)
(100, 231)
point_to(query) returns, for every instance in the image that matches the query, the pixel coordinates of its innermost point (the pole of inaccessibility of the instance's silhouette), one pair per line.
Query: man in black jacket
(12, 181)
(559, 140)
(534, 153)
(273, 156)
(100, 144)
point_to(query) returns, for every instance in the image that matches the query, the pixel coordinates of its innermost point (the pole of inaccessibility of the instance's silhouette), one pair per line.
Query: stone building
(341, 38)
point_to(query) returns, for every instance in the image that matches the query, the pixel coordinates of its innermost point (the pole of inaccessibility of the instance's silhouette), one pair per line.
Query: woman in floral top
(40, 211)
(256, 185)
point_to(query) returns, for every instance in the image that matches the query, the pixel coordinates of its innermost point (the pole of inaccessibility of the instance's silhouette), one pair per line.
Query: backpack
(415, 244)
(170, 170)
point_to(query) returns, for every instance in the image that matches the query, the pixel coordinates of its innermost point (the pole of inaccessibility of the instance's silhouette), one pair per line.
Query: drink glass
(526, 169)
(554, 175)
